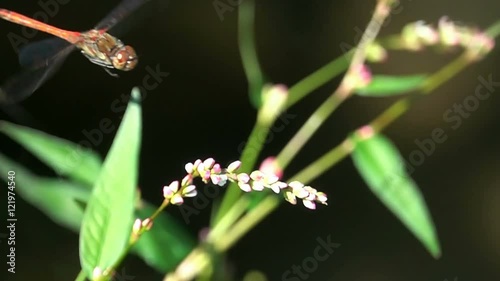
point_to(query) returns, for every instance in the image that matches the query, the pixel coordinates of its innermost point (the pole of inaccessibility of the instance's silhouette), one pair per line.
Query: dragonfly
(41, 60)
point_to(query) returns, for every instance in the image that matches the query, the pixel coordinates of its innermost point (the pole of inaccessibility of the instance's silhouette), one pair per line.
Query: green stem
(248, 158)
(246, 37)
(341, 151)
(246, 223)
(309, 128)
(229, 218)
(132, 242)
(315, 169)
(318, 78)
(343, 91)
(81, 276)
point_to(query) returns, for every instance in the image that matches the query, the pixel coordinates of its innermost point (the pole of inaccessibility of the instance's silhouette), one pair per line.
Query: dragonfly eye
(125, 58)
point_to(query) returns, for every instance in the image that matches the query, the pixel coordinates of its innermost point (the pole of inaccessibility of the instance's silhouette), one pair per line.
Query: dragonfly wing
(125, 8)
(23, 84)
(37, 54)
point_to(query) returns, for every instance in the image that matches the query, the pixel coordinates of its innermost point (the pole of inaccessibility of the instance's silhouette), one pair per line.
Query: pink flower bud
(270, 166)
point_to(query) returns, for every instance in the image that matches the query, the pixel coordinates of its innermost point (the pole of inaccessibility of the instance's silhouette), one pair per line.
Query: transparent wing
(36, 71)
(39, 52)
(125, 8)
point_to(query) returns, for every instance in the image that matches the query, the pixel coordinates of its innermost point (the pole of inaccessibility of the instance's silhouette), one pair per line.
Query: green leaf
(65, 157)
(382, 168)
(162, 247)
(108, 218)
(384, 85)
(166, 244)
(55, 198)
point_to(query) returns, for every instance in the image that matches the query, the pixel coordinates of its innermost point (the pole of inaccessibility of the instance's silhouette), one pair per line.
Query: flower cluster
(210, 171)
(418, 35)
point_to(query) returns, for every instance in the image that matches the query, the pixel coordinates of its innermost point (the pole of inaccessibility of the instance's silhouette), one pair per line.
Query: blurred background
(202, 110)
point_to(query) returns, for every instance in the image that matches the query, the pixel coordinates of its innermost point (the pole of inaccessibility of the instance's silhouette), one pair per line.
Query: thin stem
(309, 128)
(341, 151)
(318, 78)
(81, 276)
(228, 219)
(315, 169)
(248, 158)
(246, 223)
(246, 37)
(343, 91)
(133, 240)
(197, 260)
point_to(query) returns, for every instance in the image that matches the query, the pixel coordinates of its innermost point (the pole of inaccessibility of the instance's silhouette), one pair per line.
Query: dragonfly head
(125, 58)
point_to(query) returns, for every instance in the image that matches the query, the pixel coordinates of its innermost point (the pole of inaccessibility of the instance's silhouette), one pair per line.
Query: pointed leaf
(166, 243)
(54, 197)
(65, 157)
(382, 168)
(108, 218)
(384, 85)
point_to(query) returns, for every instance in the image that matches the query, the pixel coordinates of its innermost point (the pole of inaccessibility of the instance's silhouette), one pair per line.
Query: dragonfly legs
(110, 72)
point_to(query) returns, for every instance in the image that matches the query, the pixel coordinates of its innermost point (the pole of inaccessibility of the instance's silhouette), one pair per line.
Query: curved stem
(246, 38)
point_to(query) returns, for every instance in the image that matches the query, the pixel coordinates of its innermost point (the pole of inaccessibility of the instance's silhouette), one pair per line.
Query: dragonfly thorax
(104, 49)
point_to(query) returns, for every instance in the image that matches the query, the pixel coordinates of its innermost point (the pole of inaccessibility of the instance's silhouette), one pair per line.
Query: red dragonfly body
(96, 44)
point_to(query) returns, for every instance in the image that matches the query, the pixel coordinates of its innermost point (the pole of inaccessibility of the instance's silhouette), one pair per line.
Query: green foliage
(385, 85)
(383, 169)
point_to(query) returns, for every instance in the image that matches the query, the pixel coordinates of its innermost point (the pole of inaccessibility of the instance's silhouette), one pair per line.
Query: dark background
(202, 110)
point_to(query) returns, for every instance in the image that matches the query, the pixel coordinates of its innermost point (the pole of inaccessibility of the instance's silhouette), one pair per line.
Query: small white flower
(277, 186)
(209, 163)
(137, 226)
(290, 197)
(170, 190)
(189, 191)
(244, 186)
(300, 192)
(296, 184)
(187, 180)
(234, 166)
(257, 186)
(321, 197)
(177, 199)
(189, 168)
(257, 175)
(201, 169)
(243, 177)
(309, 204)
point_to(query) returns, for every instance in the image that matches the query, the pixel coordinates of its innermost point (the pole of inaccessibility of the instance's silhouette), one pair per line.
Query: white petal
(189, 168)
(177, 200)
(309, 204)
(209, 163)
(234, 166)
(275, 188)
(258, 186)
(290, 197)
(245, 186)
(192, 193)
(296, 184)
(188, 189)
(174, 186)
